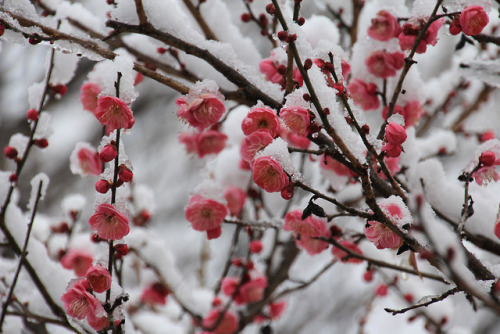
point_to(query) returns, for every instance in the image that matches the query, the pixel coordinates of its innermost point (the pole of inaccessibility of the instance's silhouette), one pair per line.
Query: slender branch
(209, 34)
(141, 13)
(430, 302)
(383, 264)
(481, 98)
(408, 63)
(24, 253)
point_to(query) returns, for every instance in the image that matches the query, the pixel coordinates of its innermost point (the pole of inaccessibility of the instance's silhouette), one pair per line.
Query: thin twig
(24, 253)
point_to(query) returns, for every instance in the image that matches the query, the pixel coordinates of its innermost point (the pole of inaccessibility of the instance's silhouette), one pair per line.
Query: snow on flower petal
(114, 114)
(109, 223)
(269, 175)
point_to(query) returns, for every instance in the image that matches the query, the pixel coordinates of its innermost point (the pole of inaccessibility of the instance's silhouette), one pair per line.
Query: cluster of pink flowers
(486, 171)
(80, 302)
(412, 28)
(307, 231)
(201, 112)
(206, 214)
(395, 135)
(471, 21)
(250, 291)
(227, 325)
(276, 72)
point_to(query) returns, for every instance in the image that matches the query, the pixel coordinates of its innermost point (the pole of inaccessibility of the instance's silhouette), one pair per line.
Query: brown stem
(430, 302)
(209, 34)
(481, 98)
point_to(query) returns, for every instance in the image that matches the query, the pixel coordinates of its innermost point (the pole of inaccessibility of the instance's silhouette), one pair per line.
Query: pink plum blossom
(261, 118)
(210, 142)
(297, 119)
(253, 143)
(473, 19)
(383, 64)
(113, 113)
(381, 236)
(249, 292)
(235, 198)
(363, 94)
(411, 29)
(89, 93)
(343, 256)
(269, 175)
(411, 112)
(155, 294)
(228, 324)
(109, 223)
(395, 133)
(79, 303)
(306, 231)
(276, 309)
(294, 140)
(98, 278)
(202, 111)
(328, 163)
(98, 323)
(206, 214)
(384, 26)
(189, 141)
(77, 260)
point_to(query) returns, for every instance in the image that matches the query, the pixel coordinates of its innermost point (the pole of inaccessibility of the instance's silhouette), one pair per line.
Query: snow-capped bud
(125, 174)
(59, 89)
(42, 143)
(102, 186)
(32, 115)
(282, 35)
(395, 133)
(246, 17)
(121, 249)
(10, 152)
(108, 153)
(487, 158)
(255, 246)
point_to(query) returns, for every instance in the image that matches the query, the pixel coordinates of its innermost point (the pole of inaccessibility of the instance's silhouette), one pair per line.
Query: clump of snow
(319, 27)
(39, 184)
(65, 65)
(144, 198)
(278, 150)
(296, 98)
(74, 203)
(203, 87)
(19, 142)
(43, 128)
(210, 189)
(35, 94)
(405, 218)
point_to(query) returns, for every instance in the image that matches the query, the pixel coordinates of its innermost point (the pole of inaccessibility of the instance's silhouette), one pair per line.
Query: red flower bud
(161, 50)
(255, 246)
(10, 152)
(487, 158)
(42, 143)
(102, 186)
(125, 174)
(282, 35)
(108, 153)
(308, 64)
(246, 17)
(121, 249)
(32, 115)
